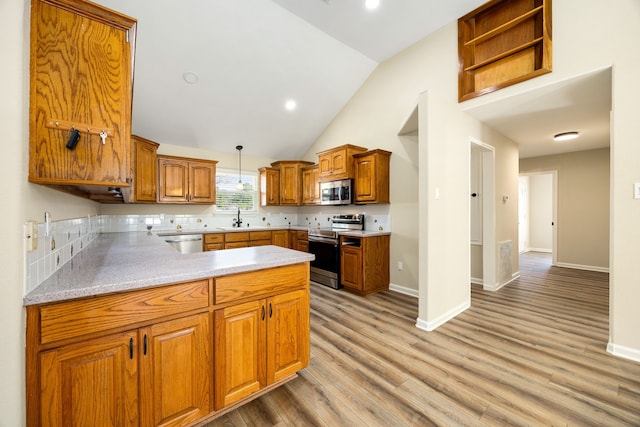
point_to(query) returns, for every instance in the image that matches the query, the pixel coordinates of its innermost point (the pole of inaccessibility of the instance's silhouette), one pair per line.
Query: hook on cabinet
(75, 129)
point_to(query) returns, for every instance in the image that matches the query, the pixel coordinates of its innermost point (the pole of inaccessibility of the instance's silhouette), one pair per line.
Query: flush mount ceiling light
(290, 105)
(190, 77)
(566, 136)
(371, 4)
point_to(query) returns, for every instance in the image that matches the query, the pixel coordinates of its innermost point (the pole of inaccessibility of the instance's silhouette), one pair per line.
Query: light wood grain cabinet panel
(183, 180)
(364, 263)
(175, 367)
(145, 170)
(280, 238)
(80, 78)
(337, 163)
(89, 381)
(290, 181)
(372, 177)
(310, 185)
(269, 186)
(259, 343)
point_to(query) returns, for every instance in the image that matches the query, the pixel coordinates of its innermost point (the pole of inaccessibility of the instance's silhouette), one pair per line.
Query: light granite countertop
(116, 262)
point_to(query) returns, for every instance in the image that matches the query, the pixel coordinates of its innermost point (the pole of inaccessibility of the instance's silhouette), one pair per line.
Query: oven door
(325, 269)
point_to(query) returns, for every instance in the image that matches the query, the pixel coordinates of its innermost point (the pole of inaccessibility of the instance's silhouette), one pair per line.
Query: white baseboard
(624, 352)
(476, 281)
(497, 286)
(583, 267)
(543, 250)
(441, 320)
(403, 290)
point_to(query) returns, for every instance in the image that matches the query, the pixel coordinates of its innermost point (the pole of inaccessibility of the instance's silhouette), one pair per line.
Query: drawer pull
(130, 348)
(144, 344)
(263, 312)
(270, 310)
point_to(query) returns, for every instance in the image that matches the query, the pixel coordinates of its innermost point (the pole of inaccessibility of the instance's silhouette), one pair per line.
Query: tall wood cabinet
(81, 71)
(372, 177)
(290, 181)
(184, 180)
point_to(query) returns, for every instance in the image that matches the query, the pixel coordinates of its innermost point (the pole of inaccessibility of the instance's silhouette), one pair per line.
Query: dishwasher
(184, 243)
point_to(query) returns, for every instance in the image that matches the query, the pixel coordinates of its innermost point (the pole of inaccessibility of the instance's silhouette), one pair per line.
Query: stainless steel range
(324, 243)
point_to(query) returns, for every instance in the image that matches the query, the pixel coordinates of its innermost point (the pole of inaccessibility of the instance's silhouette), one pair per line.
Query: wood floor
(531, 354)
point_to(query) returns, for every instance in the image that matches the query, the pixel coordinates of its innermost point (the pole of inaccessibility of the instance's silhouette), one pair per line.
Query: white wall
(540, 212)
(583, 206)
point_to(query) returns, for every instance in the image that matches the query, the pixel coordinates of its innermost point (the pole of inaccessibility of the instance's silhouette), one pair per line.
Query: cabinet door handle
(270, 310)
(130, 348)
(263, 312)
(144, 344)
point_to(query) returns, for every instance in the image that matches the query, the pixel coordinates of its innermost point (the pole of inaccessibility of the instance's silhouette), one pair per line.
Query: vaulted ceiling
(217, 73)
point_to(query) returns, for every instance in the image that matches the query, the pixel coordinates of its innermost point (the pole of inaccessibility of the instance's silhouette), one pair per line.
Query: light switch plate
(636, 190)
(31, 235)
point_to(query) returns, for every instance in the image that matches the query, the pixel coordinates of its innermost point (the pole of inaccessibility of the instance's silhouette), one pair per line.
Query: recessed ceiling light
(566, 136)
(371, 4)
(190, 77)
(290, 105)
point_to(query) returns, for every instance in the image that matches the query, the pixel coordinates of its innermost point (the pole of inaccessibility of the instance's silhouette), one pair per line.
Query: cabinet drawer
(262, 242)
(214, 238)
(260, 235)
(233, 245)
(302, 235)
(239, 236)
(86, 316)
(213, 247)
(256, 283)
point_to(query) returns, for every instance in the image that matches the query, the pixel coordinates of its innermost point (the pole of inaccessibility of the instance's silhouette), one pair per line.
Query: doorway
(537, 213)
(482, 214)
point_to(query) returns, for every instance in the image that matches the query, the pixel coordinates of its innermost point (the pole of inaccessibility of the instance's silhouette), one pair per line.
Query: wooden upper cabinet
(183, 180)
(145, 170)
(81, 71)
(269, 186)
(290, 181)
(337, 163)
(310, 185)
(501, 43)
(372, 177)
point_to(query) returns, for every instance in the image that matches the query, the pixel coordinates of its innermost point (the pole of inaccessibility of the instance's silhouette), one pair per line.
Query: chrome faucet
(238, 221)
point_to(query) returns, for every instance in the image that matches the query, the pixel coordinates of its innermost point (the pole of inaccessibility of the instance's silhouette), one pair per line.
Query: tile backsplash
(65, 239)
(57, 245)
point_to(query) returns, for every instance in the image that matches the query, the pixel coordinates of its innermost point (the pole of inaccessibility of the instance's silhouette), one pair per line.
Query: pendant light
(239, 186)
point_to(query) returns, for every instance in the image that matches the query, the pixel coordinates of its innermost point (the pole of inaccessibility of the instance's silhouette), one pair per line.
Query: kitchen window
(229, 198)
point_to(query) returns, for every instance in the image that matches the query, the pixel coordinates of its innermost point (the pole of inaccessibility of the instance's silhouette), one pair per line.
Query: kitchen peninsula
(133, 331)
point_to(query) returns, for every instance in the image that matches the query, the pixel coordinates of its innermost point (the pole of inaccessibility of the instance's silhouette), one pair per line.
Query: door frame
(554, 210)
(488, 213)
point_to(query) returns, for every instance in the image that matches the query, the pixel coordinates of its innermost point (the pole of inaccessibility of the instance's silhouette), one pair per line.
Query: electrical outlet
(400, 266)
(31, 234)
(636, 190)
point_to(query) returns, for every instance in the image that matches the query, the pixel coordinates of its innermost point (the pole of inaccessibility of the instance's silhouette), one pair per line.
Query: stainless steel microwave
(336, 192)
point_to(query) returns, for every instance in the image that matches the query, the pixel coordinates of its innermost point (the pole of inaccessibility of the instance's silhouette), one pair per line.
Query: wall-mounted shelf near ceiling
(502, 43)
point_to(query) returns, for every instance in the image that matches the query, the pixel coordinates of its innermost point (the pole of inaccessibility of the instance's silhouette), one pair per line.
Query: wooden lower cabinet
(86, 366)
(159, 375)
(93, 380)
(280, 238)
(364, 263)
(259, 343)
(175, 371)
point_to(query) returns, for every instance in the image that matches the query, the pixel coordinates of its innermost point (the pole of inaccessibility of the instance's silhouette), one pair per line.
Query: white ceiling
(251, 56)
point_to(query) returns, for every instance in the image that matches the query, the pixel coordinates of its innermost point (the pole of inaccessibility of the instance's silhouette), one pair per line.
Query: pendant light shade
(239, 186)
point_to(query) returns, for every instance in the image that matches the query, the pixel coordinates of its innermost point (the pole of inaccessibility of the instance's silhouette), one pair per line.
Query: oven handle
(323, 240)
